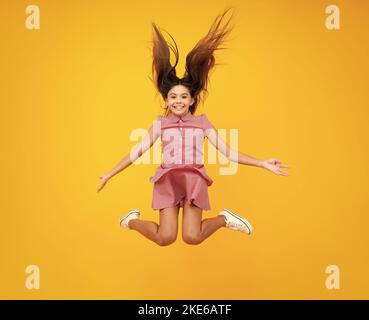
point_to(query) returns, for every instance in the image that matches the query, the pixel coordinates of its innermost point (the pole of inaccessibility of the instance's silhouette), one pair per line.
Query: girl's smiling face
(179, 100)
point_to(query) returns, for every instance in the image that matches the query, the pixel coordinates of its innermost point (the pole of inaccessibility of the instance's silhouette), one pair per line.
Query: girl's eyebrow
(181, 93)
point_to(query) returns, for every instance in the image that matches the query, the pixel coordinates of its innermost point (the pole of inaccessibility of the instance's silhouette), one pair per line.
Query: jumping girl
(181, 180)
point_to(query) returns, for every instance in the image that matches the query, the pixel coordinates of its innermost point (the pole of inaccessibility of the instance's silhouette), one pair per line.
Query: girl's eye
(173, 97)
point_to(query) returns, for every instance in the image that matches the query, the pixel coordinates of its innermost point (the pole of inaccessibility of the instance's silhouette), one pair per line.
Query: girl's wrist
(260, 164)
(108, 176)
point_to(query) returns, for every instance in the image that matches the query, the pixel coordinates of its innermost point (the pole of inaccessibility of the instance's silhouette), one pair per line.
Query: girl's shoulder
(205, 121)
(160, 118)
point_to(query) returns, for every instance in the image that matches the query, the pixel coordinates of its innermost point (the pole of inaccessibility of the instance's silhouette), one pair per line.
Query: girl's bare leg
(195, 231)
(163, 234)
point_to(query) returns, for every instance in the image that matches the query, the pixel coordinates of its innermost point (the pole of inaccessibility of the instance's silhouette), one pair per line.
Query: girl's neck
(182, 115)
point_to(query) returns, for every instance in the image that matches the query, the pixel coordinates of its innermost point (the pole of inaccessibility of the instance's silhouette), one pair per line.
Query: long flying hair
(199, 61)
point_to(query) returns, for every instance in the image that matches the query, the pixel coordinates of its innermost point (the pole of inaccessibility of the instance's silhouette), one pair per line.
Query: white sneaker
(236, 222)
(133, 214)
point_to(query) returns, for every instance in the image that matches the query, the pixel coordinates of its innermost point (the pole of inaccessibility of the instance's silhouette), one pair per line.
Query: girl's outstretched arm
(271, 164)
(137, 151)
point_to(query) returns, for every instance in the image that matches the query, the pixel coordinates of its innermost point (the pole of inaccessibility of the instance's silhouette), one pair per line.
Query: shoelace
(235, 225)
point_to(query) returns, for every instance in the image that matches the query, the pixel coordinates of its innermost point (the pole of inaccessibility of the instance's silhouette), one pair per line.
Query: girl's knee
(166, 239)
(191, 238)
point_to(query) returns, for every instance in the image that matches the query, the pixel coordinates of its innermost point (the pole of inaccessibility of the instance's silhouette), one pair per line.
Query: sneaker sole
(127, 215)
(242, 219)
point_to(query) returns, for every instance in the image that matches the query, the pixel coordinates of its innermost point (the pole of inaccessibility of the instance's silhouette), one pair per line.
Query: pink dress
(182, 175)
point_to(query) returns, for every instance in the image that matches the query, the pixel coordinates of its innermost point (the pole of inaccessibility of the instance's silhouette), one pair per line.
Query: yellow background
(73, 91)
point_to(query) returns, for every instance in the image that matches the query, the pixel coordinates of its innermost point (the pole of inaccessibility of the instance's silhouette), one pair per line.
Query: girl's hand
(274, 165)
(104, 179)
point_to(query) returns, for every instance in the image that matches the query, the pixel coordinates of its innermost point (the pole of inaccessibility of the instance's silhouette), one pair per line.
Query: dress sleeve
(156, 128)
(206, 124)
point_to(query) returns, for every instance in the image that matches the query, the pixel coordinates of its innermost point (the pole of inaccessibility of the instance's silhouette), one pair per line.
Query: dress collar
(174, 118)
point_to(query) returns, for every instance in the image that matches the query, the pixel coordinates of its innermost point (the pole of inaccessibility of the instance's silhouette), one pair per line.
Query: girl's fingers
(279, 162)
(275, 168)
(102, 186)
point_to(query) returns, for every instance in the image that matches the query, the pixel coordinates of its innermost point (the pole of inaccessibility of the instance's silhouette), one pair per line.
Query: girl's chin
(179, 112)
